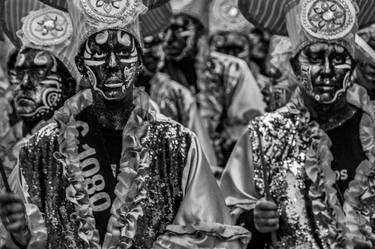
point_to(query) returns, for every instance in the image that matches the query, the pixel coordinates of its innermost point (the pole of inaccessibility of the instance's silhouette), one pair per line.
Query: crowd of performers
(186, 124)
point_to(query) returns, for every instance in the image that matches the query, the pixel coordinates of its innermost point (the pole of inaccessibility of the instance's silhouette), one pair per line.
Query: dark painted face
(152, 53)
(259, 44)
(112, 63)
(232, 43)
(324, 71)
(37, 84)
(180, 38)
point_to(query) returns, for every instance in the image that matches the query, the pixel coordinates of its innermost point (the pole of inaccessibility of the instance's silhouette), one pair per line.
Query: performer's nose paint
(37, 84)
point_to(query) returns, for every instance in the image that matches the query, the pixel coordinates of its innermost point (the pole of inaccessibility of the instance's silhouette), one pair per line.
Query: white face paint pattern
(44, 82)
(100, 61)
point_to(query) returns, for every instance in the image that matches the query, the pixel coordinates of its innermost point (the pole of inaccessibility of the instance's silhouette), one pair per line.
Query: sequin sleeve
(34, 216)
(203, 220)
(38, 181)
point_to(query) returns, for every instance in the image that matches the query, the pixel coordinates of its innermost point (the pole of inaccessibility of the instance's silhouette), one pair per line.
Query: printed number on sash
(95, 182)
(100, 202)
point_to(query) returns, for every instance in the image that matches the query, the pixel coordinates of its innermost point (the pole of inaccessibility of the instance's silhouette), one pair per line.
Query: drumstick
(267, 191)
(5, 179)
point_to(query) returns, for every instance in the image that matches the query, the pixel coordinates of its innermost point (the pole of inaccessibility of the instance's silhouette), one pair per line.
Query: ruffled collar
(347, 225)
(130, 190)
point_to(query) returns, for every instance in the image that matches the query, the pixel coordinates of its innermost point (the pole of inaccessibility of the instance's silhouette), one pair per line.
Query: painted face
(37, 84)
(152, 53)
(180, 38)
(112, 63)
(324, 71)
(232, 43)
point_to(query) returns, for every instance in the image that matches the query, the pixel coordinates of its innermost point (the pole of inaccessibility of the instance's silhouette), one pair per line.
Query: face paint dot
(20, 59)
(102, 37)
(123, 38)
(41, 58)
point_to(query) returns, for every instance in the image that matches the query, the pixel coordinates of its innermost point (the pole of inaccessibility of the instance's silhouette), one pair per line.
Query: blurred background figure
(174, 100)
(231, 34)
(259, 47)
(365, 73)
(185, 42)
(227, 92)
(41, 72)
(152, 58)
(232, 43)
(6, 47)
(280, 83)
(229, 30)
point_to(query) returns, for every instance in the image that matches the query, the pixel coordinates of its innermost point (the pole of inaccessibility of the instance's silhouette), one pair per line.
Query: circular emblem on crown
(328, 19)
(227, 16)
(47, 27)
(110, 11)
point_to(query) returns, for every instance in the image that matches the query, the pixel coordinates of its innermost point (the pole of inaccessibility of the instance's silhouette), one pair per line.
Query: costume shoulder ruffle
(169, 123)
(47, 133)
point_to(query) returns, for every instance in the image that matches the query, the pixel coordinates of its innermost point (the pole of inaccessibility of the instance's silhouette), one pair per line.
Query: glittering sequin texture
(285, 140)
(168, 144)
(44, 178)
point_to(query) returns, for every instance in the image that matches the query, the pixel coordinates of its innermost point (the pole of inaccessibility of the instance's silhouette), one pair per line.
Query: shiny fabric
(200, 221)
(178, 103)
(302, 181)
(11, 143)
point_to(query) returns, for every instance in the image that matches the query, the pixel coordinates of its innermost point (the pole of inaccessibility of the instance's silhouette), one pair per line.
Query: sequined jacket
(166, 196)
(301, 179)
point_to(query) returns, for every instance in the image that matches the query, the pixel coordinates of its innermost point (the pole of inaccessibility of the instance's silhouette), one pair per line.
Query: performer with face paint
(233, 43)
(259, 44)
(229, 30)
(109, 172)
(182, 39)
(152, 58)
(40, 73)
(224, 82)
(301, 177)
(173, 99)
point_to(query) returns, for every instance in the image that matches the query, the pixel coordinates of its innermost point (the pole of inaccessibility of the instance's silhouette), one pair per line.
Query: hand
(266, 217)
(13, 217)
